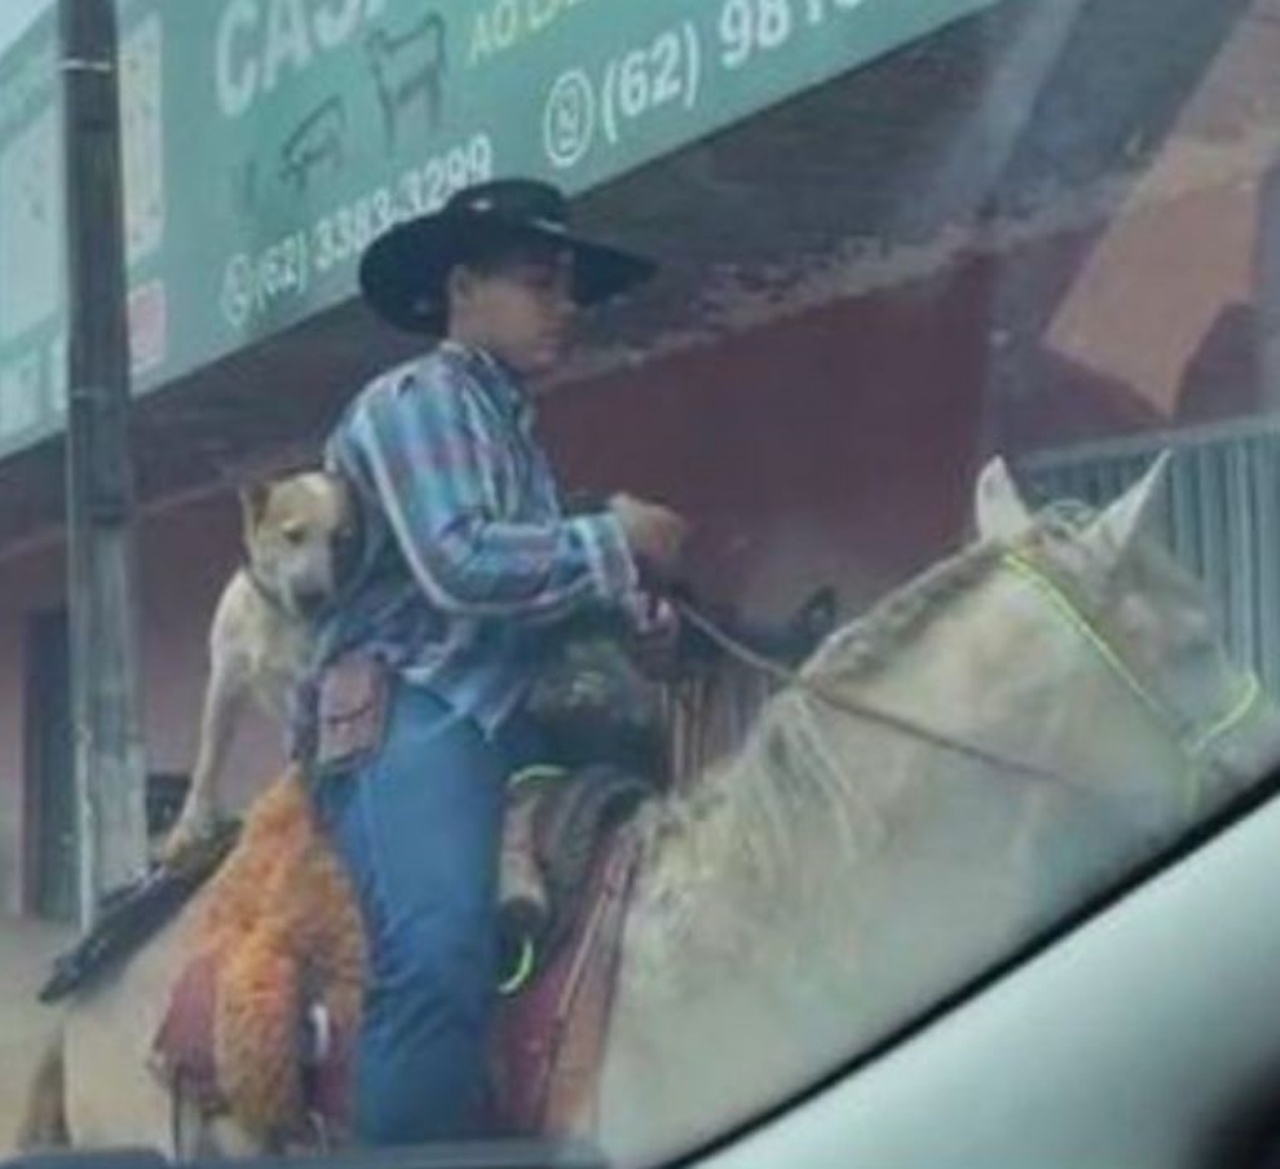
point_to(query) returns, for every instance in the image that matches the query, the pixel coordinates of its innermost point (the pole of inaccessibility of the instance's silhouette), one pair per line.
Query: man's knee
(448, 960)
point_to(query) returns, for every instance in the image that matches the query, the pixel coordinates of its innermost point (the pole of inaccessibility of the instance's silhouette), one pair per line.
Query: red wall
(835, 449)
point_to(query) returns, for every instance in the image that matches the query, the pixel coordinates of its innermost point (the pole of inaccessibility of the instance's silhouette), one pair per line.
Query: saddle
(263, 1019)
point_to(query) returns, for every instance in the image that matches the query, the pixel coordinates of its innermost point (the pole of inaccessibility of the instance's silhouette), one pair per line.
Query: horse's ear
(999, 511)
(1136, 511)
(812, 623)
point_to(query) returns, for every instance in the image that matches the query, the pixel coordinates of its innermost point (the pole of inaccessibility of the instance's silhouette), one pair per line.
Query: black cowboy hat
(403, 272)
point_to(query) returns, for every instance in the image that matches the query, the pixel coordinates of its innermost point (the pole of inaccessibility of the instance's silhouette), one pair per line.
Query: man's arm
(431, 454)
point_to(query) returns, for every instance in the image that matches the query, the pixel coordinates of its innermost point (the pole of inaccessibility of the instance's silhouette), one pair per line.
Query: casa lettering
(261, 43)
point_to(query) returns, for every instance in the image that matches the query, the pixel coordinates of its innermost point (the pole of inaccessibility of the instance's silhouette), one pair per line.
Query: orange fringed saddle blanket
(262, 1021)
(280, 940)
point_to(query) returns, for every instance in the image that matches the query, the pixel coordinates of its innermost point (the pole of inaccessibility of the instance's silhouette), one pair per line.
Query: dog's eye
(293, 534)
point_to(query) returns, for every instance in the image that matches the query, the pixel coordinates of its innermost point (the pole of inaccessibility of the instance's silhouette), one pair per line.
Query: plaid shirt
(466, 558)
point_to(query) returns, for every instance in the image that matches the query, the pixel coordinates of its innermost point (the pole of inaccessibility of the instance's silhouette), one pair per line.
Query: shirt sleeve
(434, 459)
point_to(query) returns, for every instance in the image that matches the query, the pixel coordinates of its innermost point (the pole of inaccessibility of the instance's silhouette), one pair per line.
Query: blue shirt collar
(499, 380)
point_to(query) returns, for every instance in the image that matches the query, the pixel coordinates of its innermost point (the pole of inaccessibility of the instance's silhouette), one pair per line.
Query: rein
(787, 676)
(1192, 750)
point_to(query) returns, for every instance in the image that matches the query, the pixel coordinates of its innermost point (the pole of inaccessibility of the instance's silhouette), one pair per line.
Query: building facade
(892, 244)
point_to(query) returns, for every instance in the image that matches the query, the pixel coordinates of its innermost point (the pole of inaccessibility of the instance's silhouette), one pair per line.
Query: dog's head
(295, 532)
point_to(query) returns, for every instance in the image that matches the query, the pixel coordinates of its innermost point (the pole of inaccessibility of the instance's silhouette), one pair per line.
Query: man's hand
(655, 534)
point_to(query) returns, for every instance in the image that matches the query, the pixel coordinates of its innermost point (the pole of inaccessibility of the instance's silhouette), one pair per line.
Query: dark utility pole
(103, 610)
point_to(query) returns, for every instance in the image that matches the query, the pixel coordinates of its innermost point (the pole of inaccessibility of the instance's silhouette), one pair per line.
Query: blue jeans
(419, 827)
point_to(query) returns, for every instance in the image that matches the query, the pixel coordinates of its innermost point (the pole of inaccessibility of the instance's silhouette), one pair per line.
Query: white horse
(842, 873)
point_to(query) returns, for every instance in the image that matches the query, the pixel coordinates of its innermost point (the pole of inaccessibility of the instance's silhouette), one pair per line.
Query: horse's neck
(996, 669)
(838, 875)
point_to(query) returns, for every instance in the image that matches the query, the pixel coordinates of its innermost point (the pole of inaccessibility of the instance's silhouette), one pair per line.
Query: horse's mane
(867, 644)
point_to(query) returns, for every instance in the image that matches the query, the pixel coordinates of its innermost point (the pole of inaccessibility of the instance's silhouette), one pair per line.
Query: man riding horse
(411, 720)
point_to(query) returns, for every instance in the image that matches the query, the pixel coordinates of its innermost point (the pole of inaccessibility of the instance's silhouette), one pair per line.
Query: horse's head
(1115, 587)
(994, 743)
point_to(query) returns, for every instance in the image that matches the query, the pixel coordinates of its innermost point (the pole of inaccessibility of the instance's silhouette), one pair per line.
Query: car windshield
(572, 568)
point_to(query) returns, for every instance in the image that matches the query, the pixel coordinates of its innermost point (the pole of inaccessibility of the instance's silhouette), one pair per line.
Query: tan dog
(293, 531)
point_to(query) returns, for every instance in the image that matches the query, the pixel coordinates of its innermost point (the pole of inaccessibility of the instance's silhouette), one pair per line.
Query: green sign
(266, 141)
(32, 332)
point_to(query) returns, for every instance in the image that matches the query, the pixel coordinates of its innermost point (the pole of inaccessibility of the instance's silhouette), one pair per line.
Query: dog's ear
(253, 502)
